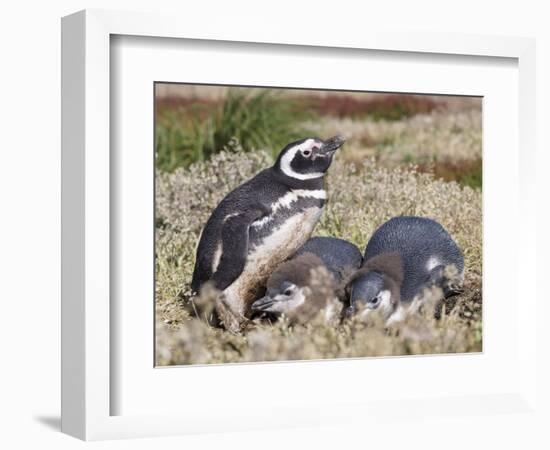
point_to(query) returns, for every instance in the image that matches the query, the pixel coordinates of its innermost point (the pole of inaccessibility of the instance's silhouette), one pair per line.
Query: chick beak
(263, 304)
(332, 144)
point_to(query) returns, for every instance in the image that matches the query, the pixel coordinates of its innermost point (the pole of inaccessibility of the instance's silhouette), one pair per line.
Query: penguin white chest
(285, 239)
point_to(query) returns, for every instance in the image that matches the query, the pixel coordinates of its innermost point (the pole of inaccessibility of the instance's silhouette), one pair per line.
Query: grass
(438, 134)
(362, 195)
(445, 143)
(188, 132)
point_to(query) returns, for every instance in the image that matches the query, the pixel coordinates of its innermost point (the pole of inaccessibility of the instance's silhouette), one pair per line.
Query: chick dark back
(339, 256)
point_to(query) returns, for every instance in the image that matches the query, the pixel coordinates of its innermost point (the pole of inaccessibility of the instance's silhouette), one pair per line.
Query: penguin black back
(425, 248)
(243, 200)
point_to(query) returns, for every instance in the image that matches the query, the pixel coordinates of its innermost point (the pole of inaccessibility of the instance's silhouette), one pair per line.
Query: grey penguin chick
(405, 256)
(312, 281)
(260, 224)
(339, 256)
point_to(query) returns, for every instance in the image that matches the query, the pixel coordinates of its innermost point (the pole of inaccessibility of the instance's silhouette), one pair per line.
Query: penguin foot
(230, 320)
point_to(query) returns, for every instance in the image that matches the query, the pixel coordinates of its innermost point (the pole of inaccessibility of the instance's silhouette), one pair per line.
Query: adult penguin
(260, 224)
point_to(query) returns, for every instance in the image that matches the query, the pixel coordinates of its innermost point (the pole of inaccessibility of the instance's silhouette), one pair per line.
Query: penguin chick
(376, 287)
(340, 257)
(301, 289)
(405, 257)
(260, 224)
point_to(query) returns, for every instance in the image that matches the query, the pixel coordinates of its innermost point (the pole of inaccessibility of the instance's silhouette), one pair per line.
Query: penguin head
(300, 289)
(308, 158)
(375, 288)
(373, 292)
(282, 299)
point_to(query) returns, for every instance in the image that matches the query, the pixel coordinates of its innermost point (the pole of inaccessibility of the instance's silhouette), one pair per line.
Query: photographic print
(299, 224)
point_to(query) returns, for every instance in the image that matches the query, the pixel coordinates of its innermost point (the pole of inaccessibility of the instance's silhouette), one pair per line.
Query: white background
(30, 187)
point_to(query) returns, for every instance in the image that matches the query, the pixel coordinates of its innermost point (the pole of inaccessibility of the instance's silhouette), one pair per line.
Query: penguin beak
(331, 145)
(263, 304)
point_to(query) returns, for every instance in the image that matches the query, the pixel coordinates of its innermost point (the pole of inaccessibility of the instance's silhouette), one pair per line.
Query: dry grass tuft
(361, 197)
(447, 144)
(447, 136)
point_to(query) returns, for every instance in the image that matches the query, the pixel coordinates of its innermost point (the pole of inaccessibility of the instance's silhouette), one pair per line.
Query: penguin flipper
(234, 237)
(450, 287)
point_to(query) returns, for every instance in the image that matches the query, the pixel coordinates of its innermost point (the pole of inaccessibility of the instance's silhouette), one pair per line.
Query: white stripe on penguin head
(287, 158)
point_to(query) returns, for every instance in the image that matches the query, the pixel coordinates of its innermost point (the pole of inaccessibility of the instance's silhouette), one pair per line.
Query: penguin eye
(306, 152)
(375, 301)
(287, 292)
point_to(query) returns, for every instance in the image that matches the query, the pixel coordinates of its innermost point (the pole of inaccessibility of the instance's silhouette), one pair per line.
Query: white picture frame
(89, 385)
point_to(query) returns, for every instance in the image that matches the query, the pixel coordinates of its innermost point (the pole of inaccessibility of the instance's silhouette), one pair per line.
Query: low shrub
(361, 197)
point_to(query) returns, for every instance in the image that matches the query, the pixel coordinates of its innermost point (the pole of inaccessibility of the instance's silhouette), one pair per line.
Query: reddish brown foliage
(200, 107)
(378, 106)
(467, 172)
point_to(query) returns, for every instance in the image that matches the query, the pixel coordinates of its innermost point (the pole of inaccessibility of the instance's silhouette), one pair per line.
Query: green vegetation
(396, 130)
(256, 121)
